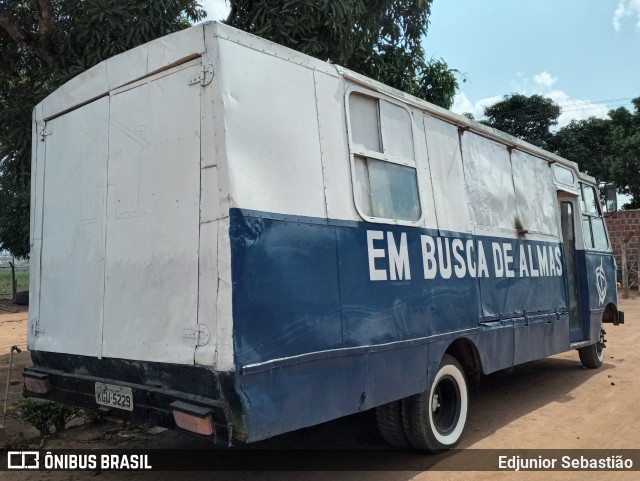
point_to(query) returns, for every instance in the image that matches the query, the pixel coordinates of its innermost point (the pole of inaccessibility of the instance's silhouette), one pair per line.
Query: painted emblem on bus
(601, 283)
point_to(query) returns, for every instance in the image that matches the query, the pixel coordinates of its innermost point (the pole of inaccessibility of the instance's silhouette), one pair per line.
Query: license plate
(114, 396)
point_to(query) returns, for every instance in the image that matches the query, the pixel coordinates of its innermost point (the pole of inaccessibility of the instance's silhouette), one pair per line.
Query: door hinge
(200, 334)
(36, 328)
(204, 77)
(44, 132)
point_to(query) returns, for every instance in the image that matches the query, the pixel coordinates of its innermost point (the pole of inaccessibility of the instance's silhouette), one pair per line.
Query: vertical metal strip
(320, 145)
(41, 165)
(433, 192)
(200, 113)
(480, 297)
(105, 227)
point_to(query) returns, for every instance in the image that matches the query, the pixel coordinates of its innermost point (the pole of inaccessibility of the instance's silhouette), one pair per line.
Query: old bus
(234, 239)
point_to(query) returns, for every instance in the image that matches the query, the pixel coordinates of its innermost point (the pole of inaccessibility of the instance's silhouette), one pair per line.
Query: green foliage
(438, 83)
(93, 416)
(381, 39)
(608, 149)
(588, 142)
(43, 43)
(528, 118)
(46, 416)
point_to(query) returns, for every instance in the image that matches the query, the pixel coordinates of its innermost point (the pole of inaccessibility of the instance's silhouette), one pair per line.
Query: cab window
(593, 229)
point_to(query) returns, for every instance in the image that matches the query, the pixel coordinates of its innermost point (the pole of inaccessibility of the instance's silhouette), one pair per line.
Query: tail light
(192, 418)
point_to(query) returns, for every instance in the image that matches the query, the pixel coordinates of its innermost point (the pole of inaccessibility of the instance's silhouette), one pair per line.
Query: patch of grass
(22, 277)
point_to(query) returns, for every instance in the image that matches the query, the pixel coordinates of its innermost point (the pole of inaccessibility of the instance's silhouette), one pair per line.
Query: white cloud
(216, 9)
(576, 109)
(626, 8)
(544, 79)
(461, 105)
(542, 84)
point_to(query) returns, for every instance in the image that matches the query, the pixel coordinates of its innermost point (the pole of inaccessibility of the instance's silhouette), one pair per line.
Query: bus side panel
(331, 317)
(525, 277)
(407, 307)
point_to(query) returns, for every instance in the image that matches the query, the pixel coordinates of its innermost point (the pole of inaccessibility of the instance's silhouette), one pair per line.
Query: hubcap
(434, 403)
(445, 405)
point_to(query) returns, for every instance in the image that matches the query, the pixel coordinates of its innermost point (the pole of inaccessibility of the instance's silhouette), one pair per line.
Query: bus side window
(385, 181)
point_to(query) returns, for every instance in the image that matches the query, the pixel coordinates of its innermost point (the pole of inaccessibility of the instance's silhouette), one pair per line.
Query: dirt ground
(551, 403)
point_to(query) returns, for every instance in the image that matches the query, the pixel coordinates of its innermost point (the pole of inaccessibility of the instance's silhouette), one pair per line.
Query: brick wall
(619, 225)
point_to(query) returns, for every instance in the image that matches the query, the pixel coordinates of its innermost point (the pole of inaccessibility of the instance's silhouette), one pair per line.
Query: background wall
(619, 225)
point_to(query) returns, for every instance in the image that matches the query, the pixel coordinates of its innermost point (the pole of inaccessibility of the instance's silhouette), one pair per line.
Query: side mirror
(610, 197)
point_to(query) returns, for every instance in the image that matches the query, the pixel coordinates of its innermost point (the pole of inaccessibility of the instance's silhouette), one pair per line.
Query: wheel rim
(445, 405)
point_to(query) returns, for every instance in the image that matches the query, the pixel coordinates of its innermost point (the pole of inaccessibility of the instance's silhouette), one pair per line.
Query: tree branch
(44, 18)
(45, 27)
(13, 31)
(232, 13)
(26, 40)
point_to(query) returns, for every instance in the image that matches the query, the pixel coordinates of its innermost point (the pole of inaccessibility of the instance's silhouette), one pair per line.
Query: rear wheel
(593, 356)
(434, 420)
(389, 419)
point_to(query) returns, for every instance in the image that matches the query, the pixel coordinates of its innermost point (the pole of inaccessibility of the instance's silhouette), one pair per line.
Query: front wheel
(434, 420)
(593, 356)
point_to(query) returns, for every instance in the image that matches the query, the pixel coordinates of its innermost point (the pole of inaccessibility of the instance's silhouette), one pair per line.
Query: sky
(583, 54)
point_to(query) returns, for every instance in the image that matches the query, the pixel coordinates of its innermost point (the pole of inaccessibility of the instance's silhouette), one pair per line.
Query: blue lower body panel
(288, 397)
(335, 317)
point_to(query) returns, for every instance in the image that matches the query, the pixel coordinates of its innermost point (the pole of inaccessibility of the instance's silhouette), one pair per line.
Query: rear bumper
(155, 388)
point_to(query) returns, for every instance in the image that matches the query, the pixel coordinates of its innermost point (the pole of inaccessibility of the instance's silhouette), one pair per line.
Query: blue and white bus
(237, 240)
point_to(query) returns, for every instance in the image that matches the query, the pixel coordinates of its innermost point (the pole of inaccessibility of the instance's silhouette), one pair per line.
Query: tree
(626, 142)
(528, 118)
(381, 39)
(43, 43)
(608, 149)
(589, 144)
